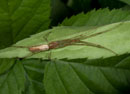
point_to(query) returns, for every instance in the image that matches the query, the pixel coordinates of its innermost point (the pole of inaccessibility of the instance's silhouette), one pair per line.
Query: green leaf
(21, 18)
(6, 64)
(34, 72)
(126, 1)
(97, 18)
(34, 67)
(13, 82)
(117, 39)
(88, 77)
(25, 76)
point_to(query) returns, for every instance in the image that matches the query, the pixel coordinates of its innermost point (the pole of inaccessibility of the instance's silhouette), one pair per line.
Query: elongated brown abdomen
(62, 43)
(53, 45)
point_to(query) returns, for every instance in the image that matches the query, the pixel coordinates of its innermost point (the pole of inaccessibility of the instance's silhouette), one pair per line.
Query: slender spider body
(62, 43)
(68, 42)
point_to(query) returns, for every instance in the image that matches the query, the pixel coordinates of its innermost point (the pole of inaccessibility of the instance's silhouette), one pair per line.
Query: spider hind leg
(95, 45)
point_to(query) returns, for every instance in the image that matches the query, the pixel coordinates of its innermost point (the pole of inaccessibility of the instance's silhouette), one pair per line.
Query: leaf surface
(87, 77)
(6, 64)
(23, 76)
(118, 35)
(13, 82)
(35, 72)
(97, 18)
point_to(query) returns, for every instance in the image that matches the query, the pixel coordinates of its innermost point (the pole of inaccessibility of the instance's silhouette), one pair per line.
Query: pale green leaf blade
(113, 40)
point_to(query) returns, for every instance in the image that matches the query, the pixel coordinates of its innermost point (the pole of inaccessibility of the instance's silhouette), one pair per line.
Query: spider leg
(49, 55)
(33, 53)
(83, 36)
(95, 45)
(20, 46)
(45, 37)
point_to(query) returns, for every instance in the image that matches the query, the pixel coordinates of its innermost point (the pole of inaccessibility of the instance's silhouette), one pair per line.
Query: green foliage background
(72, 69)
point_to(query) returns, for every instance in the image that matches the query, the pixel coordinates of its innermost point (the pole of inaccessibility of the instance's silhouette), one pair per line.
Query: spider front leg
(34, 53)
(49, 55)
(95, 45)
(46, 36)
